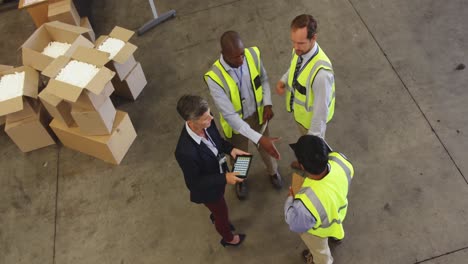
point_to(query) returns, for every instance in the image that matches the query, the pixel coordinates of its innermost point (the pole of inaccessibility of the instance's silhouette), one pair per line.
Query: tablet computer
(242, 165)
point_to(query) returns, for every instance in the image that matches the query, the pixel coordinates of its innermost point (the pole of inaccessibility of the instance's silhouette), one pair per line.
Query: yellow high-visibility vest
(326, 199)
(304, 95)
(220, 76)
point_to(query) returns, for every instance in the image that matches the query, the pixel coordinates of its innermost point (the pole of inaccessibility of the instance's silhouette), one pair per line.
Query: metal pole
(156, 20)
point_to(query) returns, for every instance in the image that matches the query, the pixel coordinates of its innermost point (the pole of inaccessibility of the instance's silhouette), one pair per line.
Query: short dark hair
(312, 152)
(305, 20)
(191, 107)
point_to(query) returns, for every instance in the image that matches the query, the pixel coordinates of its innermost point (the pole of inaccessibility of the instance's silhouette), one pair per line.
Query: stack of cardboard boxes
(130, 79)
(26, 123)
(85, 119)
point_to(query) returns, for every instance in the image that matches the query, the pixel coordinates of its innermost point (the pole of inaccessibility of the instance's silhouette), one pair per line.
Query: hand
(280, 88)
(291, 193)
(235, 152)
(232, 179)
(267, 143)
(267, 113)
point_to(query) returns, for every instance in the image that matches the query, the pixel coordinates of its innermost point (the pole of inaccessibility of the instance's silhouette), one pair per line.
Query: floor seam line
(409, 92)
(201, 10)
(56, 205)
(442, 255)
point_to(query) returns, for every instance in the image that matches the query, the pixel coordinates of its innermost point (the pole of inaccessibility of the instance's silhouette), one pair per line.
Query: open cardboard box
(64, 11)
(123, 62)
(70, 92)
(132, 85)
(95, 122)
(30, 89)
(37, 10)
(52, 31)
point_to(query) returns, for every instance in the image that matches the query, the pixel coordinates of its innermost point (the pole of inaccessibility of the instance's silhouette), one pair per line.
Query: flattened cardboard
(110, 148)
(57, 107)
(95, 122)
(30, 133)
(30, 89)
(132, 85)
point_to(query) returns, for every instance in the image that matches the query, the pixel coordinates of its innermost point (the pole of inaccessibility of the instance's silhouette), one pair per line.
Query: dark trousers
(220, 212)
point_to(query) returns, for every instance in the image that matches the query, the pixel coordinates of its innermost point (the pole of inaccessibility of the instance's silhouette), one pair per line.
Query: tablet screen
(242, 165)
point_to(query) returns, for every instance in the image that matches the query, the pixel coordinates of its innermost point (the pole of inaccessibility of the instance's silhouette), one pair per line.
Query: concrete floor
(400, 117)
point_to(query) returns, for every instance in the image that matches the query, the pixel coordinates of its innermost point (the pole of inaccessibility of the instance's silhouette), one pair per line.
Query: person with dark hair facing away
(200, 153)
(308, 84)
(318, 209)
(239, 86)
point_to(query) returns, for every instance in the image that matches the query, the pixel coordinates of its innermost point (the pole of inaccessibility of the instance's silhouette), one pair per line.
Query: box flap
(49, 98)
(38, 39)
(121, 33)
(31, 81)
(80, 41)
(35, 59)
(92, 56)
(123, 55)
(5, 67)
(100, 40)
(11, 105)
(100, 80)
(64, 90)
(67, 27)
(53, 69)
(21, 4)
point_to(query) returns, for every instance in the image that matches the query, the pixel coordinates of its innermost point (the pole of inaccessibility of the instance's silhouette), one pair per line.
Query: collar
(311, 52)
(226, 66)
(192, 134)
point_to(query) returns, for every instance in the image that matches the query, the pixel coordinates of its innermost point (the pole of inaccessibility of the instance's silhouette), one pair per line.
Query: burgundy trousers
(220, 212)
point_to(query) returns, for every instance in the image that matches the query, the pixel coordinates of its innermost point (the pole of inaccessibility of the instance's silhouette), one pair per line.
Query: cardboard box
(5, 67)
(64, 11)
(69, 92)
(110, 148)
(30, 108)
(90, 101)
(132, 85)
(58, 108)
(86, 24)
(296, 183)
(30, 133)
(2, 120)
(95, 122)
(123, 62)
(37, 10)
(30, 89)
(52, 31)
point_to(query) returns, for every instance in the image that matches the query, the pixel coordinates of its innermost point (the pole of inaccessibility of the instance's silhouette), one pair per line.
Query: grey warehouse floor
(401, 118)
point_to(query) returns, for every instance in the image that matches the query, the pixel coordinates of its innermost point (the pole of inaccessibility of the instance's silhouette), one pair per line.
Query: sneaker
(276, 180)
(242, 190)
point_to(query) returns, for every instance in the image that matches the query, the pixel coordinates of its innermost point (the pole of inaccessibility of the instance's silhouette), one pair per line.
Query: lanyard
(209, 138)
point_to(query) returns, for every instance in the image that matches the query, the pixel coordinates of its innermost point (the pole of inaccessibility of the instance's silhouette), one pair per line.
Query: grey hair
(191, 107)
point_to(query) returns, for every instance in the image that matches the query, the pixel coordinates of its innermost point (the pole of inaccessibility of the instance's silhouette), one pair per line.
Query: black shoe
(241, 190)
(241, 239)
(212, 218)
(276, 180)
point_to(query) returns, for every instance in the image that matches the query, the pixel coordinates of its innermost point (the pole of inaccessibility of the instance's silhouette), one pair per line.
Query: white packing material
(112, 46)
(77, 73)
(11, 86)
(55, 49)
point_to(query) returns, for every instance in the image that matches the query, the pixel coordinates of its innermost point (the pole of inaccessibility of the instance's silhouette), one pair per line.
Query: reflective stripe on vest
(303, 103)
(221, 77)
(324, 221)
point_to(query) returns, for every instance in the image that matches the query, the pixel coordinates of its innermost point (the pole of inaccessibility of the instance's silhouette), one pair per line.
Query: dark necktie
(294, 82)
